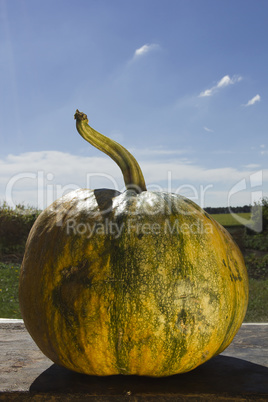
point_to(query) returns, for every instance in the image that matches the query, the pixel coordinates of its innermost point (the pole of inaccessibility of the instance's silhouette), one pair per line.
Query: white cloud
(209, 130)
(253, 100)
(252, 166)
(223, 82)
(39, 178)
(145, 49)
(158, 152)
(207, 92)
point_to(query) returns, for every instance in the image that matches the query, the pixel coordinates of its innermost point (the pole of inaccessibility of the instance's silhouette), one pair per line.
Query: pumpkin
(139, 282)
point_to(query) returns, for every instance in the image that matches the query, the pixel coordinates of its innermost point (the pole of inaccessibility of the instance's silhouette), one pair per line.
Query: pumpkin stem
(130, 168)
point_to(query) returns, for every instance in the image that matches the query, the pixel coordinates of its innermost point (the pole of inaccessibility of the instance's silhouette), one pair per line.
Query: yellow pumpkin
(138, 282)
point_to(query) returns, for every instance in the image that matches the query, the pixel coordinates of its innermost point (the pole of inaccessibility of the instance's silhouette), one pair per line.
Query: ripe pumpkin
(138, 282)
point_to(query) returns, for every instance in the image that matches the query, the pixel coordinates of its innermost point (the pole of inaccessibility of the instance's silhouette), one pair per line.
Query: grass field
(9, 304)
(230, 220)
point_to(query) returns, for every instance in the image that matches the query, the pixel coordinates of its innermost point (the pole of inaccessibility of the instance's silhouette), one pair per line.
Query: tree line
(227, 210)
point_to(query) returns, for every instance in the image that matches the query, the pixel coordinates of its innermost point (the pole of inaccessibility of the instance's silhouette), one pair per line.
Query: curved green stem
(130, 168)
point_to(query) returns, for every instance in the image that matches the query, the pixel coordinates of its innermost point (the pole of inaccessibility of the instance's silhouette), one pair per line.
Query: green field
(230, 220)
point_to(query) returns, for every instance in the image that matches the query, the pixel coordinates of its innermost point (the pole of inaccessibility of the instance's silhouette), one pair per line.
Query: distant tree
(259, 216)
(227, 210)
(265, 213)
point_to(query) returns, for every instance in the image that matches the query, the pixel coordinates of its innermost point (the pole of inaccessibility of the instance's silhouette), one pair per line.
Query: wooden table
(239, 373)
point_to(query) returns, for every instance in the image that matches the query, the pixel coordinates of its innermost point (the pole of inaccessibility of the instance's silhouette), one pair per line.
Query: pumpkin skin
(146, 284)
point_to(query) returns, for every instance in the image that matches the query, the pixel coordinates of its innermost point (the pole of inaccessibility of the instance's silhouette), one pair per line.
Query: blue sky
(182, 84)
